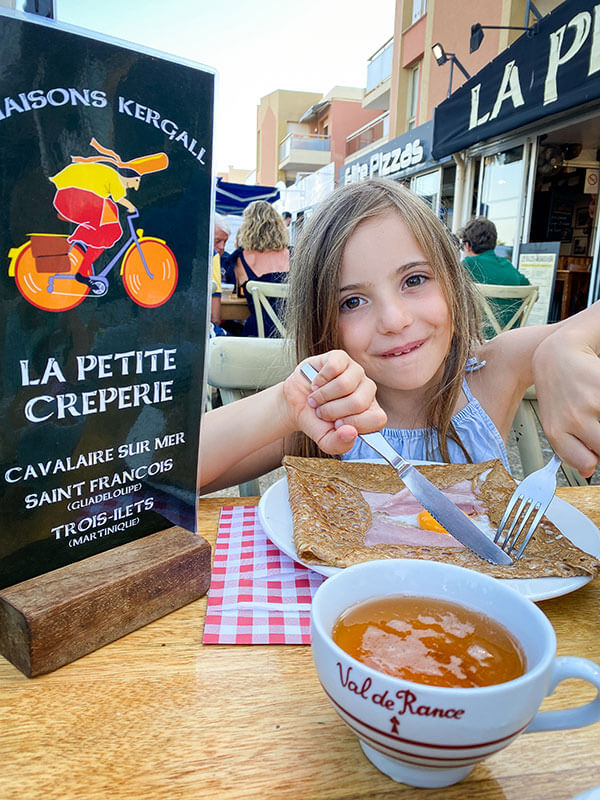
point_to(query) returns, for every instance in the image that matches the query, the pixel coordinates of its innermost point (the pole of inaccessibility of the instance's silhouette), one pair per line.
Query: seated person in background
(228, 267)
(479, 237)
(220, 234)
(263, 255)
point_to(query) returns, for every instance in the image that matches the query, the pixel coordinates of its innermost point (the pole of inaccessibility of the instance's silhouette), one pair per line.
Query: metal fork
(535, 493)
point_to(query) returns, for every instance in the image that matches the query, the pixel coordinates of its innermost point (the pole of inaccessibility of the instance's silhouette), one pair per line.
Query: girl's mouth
(403, 350)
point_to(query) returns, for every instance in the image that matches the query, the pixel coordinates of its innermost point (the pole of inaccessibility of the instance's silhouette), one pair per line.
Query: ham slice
(405, 503)
(394, 517)
(386, 530)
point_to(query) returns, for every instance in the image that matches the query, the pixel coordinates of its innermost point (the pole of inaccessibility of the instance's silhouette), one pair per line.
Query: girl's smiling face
(394, 319)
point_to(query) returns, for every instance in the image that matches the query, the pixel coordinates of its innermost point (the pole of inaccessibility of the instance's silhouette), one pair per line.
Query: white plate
(275, 516)
(591, 794)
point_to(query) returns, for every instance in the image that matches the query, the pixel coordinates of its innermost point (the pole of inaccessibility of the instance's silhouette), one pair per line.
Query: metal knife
(433, 499)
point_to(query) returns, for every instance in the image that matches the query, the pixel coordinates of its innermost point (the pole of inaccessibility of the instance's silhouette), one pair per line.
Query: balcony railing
(379, 67)
(302, 141)
(376, 129)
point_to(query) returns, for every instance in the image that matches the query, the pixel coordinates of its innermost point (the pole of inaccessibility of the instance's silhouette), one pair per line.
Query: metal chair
(526, 431)
(488, 292)
(239, 366)
(261, 291)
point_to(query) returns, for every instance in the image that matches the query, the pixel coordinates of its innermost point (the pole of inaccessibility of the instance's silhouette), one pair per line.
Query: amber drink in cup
(426, 717)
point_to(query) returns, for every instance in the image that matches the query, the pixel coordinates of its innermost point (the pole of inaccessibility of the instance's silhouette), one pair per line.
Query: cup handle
(579, 717)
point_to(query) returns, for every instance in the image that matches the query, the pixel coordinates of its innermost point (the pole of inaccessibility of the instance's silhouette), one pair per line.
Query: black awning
(551, 69)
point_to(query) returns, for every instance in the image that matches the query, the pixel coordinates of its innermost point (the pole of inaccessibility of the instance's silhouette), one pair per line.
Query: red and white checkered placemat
(257, 595)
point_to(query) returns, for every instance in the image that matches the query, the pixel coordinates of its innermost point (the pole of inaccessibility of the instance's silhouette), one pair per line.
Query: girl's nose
(394, 314)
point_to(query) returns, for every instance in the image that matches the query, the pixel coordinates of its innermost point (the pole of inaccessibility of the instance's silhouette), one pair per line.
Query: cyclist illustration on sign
(56, 272)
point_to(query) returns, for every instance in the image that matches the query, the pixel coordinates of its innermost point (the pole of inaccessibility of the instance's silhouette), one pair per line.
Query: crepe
(331, 518)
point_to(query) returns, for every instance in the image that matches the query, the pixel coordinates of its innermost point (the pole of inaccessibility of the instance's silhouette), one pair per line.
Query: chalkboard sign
(105, 234)
(560, 222)
(538, 261)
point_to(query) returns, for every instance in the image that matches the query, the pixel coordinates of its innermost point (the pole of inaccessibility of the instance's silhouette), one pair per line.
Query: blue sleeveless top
(476, 430)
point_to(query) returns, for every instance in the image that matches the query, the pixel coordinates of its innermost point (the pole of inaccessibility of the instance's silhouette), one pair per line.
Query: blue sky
(256, 46)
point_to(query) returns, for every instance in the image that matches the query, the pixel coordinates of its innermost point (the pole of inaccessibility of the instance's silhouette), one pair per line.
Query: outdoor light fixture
(45, 8)
(477, 29)
(441, 56)
(477, 33)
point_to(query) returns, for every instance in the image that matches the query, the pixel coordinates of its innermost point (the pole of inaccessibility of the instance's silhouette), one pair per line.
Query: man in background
(478, 239)
(221, 234)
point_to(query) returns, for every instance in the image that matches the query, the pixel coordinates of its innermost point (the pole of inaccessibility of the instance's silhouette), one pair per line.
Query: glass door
(428, 188)
(500, 195)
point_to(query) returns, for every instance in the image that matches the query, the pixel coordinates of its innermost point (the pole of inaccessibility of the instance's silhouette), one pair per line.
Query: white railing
(379, 67)
(302, 141)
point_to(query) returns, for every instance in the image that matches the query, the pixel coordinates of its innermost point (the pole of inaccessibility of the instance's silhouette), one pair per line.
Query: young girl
(393, 325)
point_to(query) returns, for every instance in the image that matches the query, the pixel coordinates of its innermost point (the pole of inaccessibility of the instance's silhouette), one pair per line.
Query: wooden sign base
(53, 619)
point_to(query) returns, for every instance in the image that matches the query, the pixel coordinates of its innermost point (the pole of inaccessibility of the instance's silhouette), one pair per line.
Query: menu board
(105, 243)
(537, 261)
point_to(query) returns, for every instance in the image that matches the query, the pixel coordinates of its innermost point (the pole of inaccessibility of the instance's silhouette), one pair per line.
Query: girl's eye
(415, 280)
(350, 303)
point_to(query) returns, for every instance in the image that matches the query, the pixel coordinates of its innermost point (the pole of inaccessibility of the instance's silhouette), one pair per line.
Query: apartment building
(490, 108)
(300, 132)
(406, 83)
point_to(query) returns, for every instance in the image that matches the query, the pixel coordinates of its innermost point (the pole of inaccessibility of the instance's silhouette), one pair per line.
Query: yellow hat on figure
(142, 165)
(146, 164)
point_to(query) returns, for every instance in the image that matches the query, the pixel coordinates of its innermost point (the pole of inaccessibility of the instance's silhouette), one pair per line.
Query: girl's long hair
(312, 311)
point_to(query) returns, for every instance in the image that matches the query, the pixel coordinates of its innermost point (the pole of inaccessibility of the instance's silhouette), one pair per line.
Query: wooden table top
(158, 715)
(234, 307)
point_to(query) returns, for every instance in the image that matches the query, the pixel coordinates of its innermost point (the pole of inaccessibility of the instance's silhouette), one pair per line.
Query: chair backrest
(261, 291)
(242, 365)
(526, 428)
(239, 366)
(489, 292)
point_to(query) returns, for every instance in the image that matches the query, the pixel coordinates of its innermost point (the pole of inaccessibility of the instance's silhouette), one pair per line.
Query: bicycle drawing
(148, 270)
(56, 272)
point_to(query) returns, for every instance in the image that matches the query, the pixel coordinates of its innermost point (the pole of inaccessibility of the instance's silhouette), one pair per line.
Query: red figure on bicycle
(87, 191)
(56, 272)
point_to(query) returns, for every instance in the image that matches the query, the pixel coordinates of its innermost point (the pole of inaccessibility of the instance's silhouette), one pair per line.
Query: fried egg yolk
(429, 523)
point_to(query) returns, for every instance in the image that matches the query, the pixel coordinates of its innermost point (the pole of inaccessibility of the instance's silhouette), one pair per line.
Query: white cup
(432, 736)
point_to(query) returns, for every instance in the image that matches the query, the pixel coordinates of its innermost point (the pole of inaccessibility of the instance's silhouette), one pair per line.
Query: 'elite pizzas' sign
(104, 261)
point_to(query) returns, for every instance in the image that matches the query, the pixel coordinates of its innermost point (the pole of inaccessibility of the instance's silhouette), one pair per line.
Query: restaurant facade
(524, 133)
